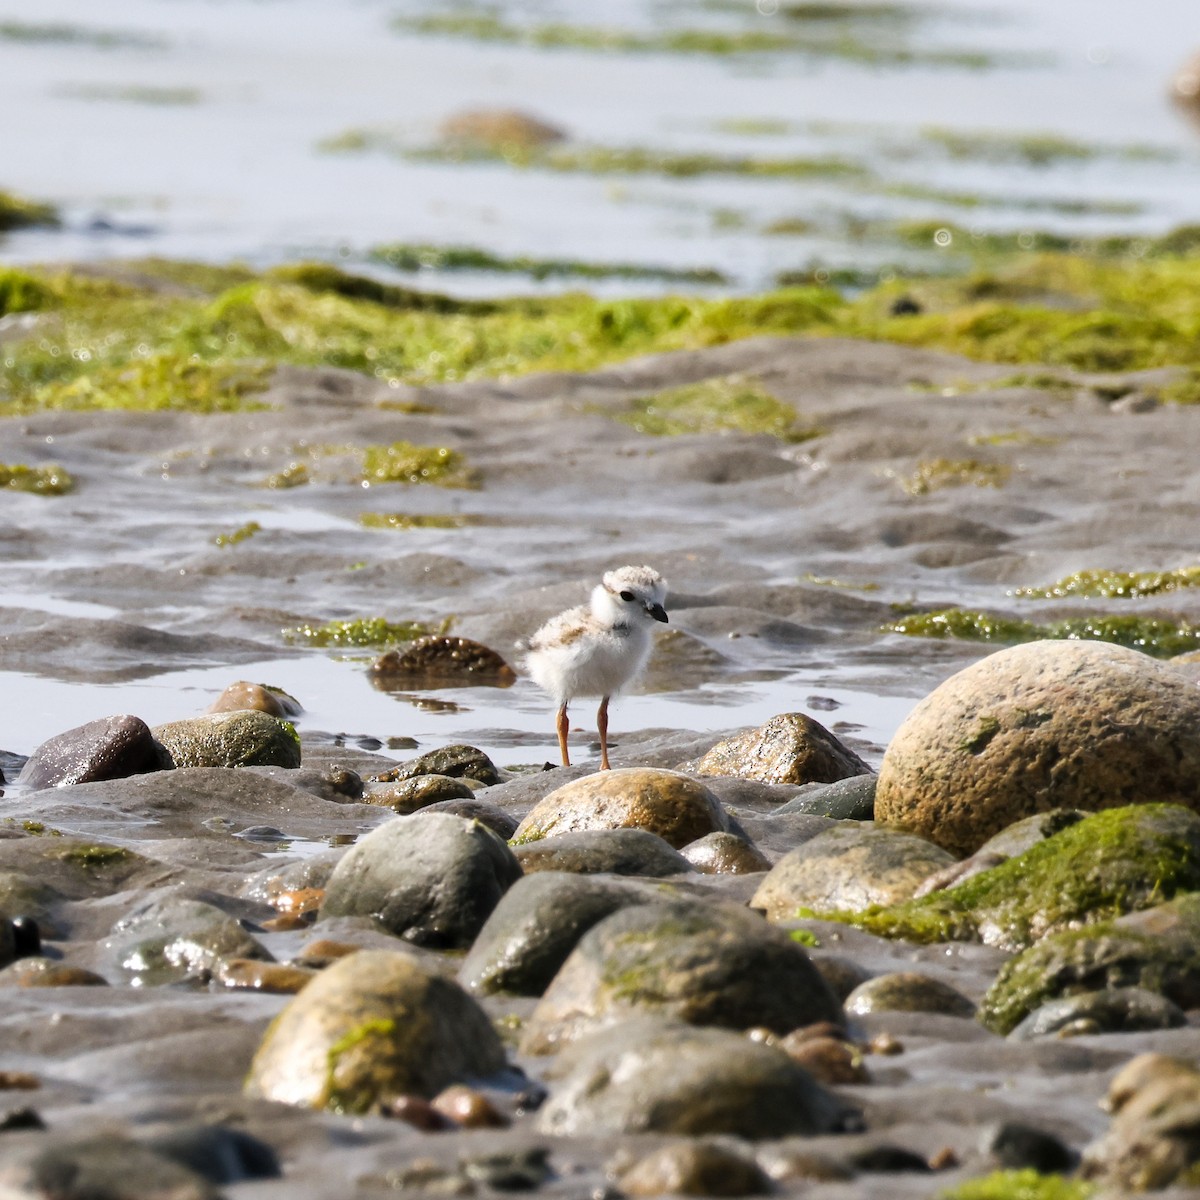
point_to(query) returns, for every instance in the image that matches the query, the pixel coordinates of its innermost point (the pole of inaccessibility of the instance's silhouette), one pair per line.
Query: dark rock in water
(850, 799)
(704, 963)
(842, 974)
(442, 662)
(1111, 1010)
(27, 937)
(696, 1168)
(908, 991)
(848, 868)
(671, 805)
(372, 1027)
(1157, 949)
(502, 824)
(790, 748)
(603, 851)
(109, 1167)
(1152, 1143)
(173, 937)
(8, 942)
(108, 748)
(433, 880)
(408, 795)
(725, 854)
(230, 739)
(536, 926)
(220, 1154)
(1034, 727)
(1017, 1146)
(651, 1076)
(458, 761)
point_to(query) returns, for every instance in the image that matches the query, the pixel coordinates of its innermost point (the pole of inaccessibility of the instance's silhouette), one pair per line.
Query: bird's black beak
(657, 612)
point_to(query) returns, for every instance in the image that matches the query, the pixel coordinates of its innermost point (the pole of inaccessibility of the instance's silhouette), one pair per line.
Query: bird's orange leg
(562, 725)
(602, 726)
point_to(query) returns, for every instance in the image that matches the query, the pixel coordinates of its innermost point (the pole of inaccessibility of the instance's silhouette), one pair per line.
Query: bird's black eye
(626, 595)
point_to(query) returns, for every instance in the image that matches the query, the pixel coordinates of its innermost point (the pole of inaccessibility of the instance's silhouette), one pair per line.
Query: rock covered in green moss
(653, 1076)
(703, 963)
(431, 879)
(1045, 725)
(1104, 866)
(848, 867)
(1152, 1142)
(107, 748)
(1157, 949)
(374, 1026)
(245, 738)
(789, 748)
(667, 803)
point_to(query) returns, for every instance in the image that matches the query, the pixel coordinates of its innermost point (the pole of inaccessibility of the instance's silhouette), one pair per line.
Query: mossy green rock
(789, 748)
(1104, 866)
(667, 803)
(230, 739)
(1158, 949)
(706, 964)
(373, 1026)
(847, 868)
(1046, 725)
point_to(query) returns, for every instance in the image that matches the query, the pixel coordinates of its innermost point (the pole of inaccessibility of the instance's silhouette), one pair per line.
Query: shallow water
(197, 135)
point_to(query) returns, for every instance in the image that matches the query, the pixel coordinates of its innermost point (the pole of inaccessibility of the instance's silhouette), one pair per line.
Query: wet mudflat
(171, 570)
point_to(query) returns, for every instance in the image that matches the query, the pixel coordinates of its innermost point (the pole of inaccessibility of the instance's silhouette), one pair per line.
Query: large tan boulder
(1051, 724)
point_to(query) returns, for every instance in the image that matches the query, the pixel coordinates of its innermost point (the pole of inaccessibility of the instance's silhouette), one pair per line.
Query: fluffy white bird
(599, 647)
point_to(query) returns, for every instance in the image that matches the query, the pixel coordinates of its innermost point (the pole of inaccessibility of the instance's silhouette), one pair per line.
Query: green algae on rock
(396, 520)
(1115, 584)
(1025, 1184)
(49, 480)
(404, 462)
(946, 472)
(240, 534)
(17, 212)
(1109, 864)
(241, 738)
(358, 631)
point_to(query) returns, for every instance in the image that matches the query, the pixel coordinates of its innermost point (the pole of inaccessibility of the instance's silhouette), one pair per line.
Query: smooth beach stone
(442, 661)
(373, 1026)
(45, 972)
(230, 739)
(651, 1076)
(457, 761)
(537, 923)
(220, 1154)
(1111, 1010)
(1017, 1146)
(109, 1167)
(1152, 1142)
(789, 748)
(433, 880)
(696, 1168)
(703, 963)
(503, 824)
(253, 975)
(304, 874)
(603, 851)
(724, 853)
(245, 696)
(848, 868)
(108, 748)
(908, 991)
(172, 937)
(407, 795)
(1157, 949)
(667, 803)
(850, 799)
(1049, 724)
(827, 1059)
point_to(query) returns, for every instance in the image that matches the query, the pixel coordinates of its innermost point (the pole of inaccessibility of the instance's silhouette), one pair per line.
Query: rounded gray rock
(244, 738)
(604, 851)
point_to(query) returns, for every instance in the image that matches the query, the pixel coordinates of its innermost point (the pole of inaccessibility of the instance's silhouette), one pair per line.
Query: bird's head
(633, 594)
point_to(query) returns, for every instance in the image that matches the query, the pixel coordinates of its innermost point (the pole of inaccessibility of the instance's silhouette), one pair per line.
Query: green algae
(361, 632)
(360, 1097)
(1035, 149)
(1162, 637)
(17, 212)
(49, 480)
(241, 534)
(1025, 1184)
(427, 257)
(147, 94)
(395, 520)
(95, 857)
(946, 472)
(295, 474)
(729, 403)
(320, 277)
(63, 34)
(1125, 585)
(404, 462)
(1107, 865)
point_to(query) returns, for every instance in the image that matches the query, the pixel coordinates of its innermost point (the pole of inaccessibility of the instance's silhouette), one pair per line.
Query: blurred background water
(755, 142)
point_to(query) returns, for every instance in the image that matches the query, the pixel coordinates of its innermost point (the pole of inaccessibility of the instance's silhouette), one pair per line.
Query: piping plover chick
(599, 647)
